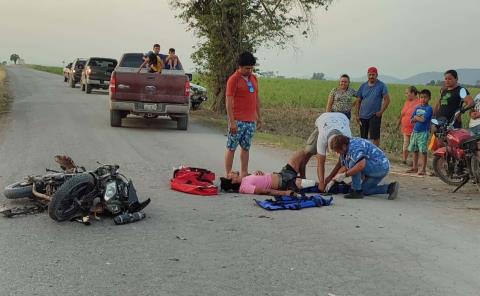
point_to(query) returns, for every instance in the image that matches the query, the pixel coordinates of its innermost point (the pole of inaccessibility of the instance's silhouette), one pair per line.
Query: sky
(399, 37)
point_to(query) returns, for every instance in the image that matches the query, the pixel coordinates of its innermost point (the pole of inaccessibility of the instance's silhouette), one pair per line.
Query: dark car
(76, 72)
(96, 73)
(66, 72)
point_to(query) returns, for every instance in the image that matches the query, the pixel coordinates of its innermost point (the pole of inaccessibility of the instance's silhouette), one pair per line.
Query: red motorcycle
(457, 160)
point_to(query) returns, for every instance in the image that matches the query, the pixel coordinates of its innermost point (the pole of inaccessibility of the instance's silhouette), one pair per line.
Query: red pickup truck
(148, 94)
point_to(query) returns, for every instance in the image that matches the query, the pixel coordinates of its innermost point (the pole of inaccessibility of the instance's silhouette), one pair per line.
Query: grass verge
(3, 91)
(49, 69)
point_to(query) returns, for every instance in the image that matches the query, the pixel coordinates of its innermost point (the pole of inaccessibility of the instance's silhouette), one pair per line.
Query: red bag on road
(194, 181)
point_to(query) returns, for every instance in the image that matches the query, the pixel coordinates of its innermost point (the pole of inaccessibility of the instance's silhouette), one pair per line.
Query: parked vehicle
(96, 73)
(96, 192)
(66, 72)
(76, 72)
(198, 95)
(40, 188)
(457, 160)
(148, 94)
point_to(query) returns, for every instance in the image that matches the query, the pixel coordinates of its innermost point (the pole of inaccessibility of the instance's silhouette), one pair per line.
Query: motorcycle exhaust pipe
(40, 195)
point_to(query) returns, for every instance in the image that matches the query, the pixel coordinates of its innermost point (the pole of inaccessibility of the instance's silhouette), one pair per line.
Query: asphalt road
(424, 243)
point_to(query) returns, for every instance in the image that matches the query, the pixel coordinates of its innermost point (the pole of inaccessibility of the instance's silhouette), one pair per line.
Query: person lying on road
(286, 182)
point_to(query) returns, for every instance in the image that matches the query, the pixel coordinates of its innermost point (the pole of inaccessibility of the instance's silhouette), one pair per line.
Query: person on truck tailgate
(172, 62)
(243, 111)
(154, 63)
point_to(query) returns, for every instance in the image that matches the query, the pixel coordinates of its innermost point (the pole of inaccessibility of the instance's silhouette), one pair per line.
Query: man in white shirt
(327, 125)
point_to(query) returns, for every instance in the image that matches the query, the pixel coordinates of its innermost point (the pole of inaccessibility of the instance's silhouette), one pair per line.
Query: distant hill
(466, 76)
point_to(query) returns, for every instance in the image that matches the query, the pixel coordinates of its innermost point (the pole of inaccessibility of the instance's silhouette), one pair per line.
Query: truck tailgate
(150, 87)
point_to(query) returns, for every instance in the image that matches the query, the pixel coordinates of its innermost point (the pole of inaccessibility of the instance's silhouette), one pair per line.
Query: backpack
(194, 181)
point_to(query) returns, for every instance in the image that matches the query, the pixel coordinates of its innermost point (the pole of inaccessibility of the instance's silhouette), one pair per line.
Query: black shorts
(288, 177)
(371, 126)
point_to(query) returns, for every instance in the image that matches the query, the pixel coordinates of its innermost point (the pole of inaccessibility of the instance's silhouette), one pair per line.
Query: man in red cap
(373, 100)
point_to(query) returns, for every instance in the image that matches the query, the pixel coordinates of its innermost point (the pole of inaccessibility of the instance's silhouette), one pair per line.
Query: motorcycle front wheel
(442, 170)
(65, 204)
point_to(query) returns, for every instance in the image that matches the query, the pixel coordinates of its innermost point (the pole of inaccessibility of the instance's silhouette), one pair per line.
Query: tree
(318, 76)
(14, 57)
(226, 28)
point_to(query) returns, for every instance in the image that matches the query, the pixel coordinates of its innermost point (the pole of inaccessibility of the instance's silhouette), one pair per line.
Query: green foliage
(49, 69)
(14, 57)
(226, 28)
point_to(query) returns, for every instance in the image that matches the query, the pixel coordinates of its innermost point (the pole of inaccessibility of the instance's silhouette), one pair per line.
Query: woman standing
(411, 102)
(341, 97)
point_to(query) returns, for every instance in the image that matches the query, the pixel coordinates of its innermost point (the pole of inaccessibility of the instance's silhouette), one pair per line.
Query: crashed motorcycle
(457, 160)
(39, 189)
(101, 191)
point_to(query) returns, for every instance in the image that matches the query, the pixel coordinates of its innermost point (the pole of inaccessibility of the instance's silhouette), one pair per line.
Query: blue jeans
(369, 184)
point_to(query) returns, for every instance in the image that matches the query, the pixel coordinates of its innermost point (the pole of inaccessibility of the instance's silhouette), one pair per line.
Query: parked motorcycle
(457, 160)
(40, 188)
(101, 191)
(198, 95)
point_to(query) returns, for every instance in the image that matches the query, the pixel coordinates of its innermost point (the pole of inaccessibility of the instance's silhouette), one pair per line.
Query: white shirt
(475, 122)
(328, 122)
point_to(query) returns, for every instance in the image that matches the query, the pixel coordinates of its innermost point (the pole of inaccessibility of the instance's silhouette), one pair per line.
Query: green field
(308, 98)
(54, 70)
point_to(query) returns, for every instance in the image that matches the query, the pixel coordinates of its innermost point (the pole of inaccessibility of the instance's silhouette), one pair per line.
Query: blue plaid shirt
(360, 149)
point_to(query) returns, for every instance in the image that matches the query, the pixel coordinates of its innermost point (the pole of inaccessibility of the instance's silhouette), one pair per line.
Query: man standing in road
(243, 111)
(373, 100)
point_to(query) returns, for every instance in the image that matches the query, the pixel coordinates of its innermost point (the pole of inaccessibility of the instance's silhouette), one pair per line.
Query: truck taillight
(187, 88)
(113, 84)
(89, 70)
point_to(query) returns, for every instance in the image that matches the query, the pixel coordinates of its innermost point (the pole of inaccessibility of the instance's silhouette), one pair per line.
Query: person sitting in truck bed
(172, 62)
(153, 62)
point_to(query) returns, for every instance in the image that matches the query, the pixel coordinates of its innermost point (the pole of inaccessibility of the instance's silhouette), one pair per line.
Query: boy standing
(243, 111)
(421, 117)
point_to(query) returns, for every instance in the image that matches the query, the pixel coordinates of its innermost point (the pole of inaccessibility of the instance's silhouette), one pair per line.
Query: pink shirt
(249, 183)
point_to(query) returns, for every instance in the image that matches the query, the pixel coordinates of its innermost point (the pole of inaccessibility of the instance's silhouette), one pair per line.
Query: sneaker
(393, 190)
(354, 195)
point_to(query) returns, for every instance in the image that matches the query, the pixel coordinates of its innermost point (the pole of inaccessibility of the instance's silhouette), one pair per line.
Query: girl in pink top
(412, 101)
(286, 182)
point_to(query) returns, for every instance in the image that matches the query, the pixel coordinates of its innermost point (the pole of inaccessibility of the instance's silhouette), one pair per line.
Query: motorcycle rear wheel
(18, 190)
(64, 205)
(440, 167)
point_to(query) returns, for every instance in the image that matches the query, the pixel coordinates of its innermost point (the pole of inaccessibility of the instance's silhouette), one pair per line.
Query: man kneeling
(286, 182)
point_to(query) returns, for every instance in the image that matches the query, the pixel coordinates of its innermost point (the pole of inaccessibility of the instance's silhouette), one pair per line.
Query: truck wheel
(72, 82)
(115, 118)
(182, 123)
(88, 88)
(82, 86)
